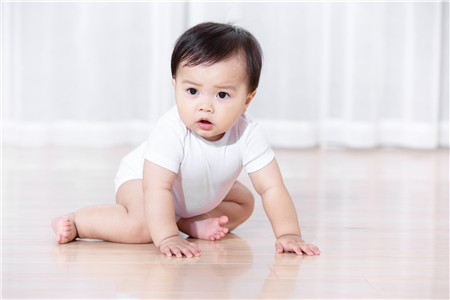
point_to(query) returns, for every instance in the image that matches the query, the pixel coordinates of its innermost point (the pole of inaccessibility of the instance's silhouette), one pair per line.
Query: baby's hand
(294, 243)
(178, 246)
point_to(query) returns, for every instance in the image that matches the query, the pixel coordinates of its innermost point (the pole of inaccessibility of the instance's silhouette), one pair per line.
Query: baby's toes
(65, 231)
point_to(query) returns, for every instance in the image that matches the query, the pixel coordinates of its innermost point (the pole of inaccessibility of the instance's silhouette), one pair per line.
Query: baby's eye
(223, 95)
(192, 91)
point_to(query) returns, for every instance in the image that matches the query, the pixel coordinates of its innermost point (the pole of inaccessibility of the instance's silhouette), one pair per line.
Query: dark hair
(209, 43)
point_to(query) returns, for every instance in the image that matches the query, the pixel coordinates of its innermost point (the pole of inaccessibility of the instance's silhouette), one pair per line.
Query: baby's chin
(212, 138)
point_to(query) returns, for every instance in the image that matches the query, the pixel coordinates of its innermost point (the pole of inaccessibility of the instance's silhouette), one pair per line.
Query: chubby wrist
(158, 242)
(287, 235)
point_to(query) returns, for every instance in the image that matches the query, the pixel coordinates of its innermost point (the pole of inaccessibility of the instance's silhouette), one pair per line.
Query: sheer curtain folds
(356, 74)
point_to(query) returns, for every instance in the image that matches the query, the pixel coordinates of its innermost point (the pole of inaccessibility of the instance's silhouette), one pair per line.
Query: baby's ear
(250, 97)
(173, 81)
(249, 100)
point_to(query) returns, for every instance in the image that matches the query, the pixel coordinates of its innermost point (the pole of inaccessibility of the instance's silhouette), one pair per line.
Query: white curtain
(356, 74)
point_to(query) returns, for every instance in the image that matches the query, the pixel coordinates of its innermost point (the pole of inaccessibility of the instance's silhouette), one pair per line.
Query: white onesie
(205, 170)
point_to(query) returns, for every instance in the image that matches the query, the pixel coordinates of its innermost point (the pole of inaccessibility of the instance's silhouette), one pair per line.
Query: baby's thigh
(240, 194)
(131, 195)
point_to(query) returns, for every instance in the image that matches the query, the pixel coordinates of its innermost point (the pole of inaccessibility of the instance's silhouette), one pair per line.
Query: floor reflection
(227, 268)
(281, 283)
(139, 270)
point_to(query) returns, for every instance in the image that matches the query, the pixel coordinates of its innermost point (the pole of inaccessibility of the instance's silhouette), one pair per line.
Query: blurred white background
(346, 74)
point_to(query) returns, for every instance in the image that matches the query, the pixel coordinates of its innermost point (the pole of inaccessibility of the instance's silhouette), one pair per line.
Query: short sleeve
(165, 146)
(257, 150)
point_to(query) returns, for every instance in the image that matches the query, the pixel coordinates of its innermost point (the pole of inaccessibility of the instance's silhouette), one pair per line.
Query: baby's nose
(207, 106)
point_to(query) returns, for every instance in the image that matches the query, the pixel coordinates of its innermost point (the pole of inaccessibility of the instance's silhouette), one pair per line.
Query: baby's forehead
(231, 70)
(232, 59)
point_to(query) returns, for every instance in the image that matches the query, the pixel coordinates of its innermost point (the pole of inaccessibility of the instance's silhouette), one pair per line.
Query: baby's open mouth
(205, 124)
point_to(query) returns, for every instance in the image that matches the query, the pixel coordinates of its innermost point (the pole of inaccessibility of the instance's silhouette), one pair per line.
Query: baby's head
(209, 43)
(215, 73)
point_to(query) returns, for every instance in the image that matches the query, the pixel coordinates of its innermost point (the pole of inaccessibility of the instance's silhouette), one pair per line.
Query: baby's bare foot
(211, 229)
(65, 229)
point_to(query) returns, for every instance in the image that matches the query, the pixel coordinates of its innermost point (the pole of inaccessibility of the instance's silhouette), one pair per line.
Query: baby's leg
(123, 222)
(232, 212)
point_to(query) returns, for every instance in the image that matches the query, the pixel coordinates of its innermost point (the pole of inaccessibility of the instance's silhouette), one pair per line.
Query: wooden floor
(379, 217)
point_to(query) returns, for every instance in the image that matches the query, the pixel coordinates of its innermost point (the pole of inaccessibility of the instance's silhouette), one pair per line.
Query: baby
(184, 177)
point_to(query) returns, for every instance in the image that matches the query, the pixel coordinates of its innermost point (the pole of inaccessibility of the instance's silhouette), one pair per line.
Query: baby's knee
(248, 200)
(242, 196)
(251, 198)
(139, 233)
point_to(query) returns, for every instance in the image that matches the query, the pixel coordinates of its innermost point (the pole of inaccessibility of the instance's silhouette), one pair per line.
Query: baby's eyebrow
(226, 87)
(220, 87)
(185, 81)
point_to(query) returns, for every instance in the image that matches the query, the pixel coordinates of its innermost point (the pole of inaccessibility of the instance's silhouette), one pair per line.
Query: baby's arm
(160, 212)
(280, 210)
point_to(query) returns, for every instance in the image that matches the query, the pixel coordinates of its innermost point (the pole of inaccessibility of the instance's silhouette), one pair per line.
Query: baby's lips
(205, 124)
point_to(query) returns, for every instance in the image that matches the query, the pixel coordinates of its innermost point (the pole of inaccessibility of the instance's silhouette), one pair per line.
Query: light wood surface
(380, 218)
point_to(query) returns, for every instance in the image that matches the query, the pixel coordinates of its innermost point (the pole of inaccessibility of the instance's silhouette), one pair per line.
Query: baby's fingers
(293, 247)
(298, 249)
(166, 251)
(170, 250)
(310, 249)
(190, 250)
(194, 248)
(295, 244)
(315, 249)
(179, 251)
(176, 251)
(305, 248)
(279, 247)
(290, 247)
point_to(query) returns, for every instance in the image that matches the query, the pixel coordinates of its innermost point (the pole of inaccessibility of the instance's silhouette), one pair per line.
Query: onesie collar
(217, 143)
